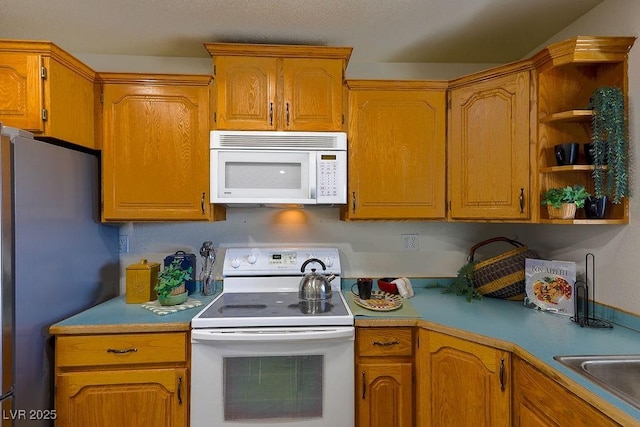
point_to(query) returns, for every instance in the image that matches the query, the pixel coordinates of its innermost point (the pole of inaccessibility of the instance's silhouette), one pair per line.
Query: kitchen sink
(618, 374)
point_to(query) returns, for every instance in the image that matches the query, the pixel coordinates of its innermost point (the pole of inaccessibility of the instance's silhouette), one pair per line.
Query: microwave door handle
(275, 336)
(313, 174)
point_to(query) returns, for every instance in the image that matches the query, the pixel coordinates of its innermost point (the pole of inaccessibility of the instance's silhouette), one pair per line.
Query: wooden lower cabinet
(540, 401)
(384, 377)
(125, 380)
(461, 383)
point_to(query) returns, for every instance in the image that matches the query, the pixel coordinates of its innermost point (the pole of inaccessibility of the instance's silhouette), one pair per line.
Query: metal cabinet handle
(502, 374)
(287, 114)
(271, 114)
(364, 384)
(385, 344)
(522, 200)
(122, 351)
(353, 201)
(202, 203)
(179, 390)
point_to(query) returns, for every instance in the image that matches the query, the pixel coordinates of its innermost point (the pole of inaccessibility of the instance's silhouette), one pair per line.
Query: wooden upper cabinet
(489, 148)
(156, 147)
(46, 91)
(245, 93)
(396, 150)
(313, 95)
(273, 87)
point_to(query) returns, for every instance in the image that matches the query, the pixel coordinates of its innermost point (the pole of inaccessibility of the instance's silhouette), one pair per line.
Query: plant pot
(595, 208)
(179, 290)
(174, 299)
(566, 211)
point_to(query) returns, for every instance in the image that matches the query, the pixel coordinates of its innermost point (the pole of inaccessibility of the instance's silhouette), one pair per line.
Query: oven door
(272, 376)
(256, 176)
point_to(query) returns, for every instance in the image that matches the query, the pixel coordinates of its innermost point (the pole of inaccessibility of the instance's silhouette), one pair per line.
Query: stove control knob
(252, 258)
(328, 261)
(235, 263)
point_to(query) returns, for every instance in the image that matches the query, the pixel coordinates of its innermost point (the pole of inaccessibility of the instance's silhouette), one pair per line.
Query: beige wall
(374, 249)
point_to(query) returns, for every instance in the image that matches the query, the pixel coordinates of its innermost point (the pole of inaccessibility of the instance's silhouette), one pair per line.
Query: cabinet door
(462, 383)
(69, 101)
(532, 390)
(396, 155)
(128, 398)
(245, 93)
(155, 152)
(384, 395)
(21, 90)
(312, 95)
(489, 149)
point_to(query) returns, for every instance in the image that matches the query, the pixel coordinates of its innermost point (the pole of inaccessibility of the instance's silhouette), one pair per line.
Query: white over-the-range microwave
(278, 168)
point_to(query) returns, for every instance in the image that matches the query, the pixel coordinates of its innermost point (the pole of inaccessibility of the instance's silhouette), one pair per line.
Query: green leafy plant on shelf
(172, 277)
(570, 194)
(610, 143)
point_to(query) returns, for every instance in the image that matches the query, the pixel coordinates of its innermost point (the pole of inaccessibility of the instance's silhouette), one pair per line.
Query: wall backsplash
(371, 248)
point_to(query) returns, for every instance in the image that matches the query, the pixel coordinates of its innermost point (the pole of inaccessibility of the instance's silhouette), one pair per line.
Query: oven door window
(273, 387)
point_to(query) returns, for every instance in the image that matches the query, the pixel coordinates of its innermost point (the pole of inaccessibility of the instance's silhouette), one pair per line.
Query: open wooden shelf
(585, 221)
(569, 116)
(569, 168)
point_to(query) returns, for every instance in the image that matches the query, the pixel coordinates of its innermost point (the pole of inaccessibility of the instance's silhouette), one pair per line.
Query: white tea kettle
(315, 286)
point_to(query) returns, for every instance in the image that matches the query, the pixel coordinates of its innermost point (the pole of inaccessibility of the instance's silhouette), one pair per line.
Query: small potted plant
(171, 283)
(563, 202)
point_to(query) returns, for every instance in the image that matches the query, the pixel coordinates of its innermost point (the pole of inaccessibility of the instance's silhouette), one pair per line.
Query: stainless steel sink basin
(619, 374)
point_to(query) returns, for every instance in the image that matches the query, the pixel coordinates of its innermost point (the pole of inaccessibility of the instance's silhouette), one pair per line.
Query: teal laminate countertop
(534, 333)
(116, 316)
(539, 334)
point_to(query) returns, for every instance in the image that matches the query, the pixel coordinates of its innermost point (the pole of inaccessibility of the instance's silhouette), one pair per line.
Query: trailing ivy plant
(463, 284)
(610, 144)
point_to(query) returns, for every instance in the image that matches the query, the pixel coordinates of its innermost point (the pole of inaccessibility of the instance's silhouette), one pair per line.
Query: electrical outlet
(410, 242)
(123, 244)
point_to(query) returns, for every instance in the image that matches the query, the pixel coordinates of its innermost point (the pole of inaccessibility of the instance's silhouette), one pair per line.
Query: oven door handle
(272, 336)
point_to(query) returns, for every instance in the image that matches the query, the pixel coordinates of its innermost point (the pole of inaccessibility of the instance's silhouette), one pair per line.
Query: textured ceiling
(470, 31)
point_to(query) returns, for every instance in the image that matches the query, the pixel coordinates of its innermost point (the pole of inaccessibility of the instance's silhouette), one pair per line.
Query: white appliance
(266, 167)
(261, 356)
(57, 260)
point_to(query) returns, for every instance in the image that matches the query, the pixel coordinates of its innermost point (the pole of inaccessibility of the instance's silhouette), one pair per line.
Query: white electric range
(261, 355)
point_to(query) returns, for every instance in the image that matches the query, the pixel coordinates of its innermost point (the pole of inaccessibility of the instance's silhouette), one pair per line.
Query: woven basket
(501, 276)
(566, 211)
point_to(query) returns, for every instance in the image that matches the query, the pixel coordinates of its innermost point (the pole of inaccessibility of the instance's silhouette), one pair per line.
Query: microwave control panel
(331, 176)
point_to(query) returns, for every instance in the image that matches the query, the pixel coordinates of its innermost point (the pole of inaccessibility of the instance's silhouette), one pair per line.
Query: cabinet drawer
(385, 342)
(121, 349)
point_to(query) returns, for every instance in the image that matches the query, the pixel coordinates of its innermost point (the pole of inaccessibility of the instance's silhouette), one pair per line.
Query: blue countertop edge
(541, 334)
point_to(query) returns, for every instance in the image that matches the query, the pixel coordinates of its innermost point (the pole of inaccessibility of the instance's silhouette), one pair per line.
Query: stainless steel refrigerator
(57, 259)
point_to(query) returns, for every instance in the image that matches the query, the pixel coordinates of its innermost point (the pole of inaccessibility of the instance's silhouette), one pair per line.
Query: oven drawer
(121, 349)
(388, 341)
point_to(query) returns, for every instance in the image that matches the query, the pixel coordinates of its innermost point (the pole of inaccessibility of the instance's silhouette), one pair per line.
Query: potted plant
(562, 202)
(171, 283)
(609, 140)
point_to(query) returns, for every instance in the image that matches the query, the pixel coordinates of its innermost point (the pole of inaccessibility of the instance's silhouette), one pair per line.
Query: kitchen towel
(404, 287)
(161, 310)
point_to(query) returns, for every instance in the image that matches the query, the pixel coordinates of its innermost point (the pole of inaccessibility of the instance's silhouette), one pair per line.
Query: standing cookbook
(549, 285)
